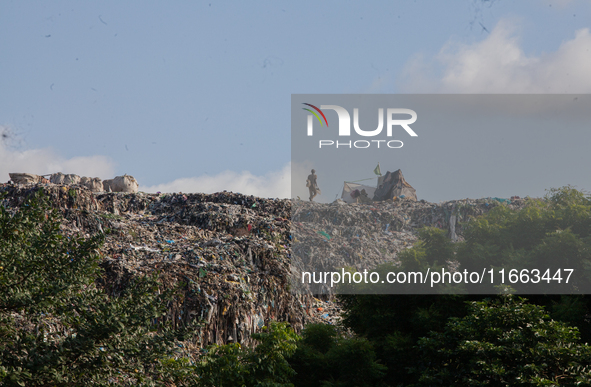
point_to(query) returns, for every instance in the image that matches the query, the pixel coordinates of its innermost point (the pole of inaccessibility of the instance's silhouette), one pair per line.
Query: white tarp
(349, 187)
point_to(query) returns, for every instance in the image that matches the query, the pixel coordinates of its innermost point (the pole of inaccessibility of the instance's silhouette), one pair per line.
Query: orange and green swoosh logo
(317, 110)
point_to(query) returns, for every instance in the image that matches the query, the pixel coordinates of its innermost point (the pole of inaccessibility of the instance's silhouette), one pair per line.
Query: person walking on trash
(312, 185)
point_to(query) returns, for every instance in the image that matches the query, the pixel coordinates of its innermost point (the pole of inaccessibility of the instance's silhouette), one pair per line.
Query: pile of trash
(27, 178)
(233, 255)
(393, 185)
(229, 252)
(123, 183)
(329, 237)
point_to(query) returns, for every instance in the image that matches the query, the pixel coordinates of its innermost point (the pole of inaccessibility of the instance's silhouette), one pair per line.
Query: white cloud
(44, 161)
(276, 184)
(498, 64)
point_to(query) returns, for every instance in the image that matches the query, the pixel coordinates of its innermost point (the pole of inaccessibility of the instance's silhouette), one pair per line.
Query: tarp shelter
(393, 185)
(349, 188)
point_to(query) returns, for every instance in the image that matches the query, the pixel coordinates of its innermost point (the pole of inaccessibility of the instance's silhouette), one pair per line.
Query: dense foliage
(547, 235)
(325, 358)
(264, 366)
(555, 232)
(504, 343)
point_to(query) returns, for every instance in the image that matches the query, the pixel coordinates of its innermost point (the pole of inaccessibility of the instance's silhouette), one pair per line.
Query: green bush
(325, 358)
(266, 365)
(504, 343)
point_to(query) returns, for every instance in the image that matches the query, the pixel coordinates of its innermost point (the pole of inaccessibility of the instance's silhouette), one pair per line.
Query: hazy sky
(466, 145)
(195, 96)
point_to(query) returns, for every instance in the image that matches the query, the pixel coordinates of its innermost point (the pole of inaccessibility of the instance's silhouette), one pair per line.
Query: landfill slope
(233, 252)
(230, 250)
(330, 237)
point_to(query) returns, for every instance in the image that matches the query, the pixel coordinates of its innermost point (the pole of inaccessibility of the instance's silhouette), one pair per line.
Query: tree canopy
(505, 342)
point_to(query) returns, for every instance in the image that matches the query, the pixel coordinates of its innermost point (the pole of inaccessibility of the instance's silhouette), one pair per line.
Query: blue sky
(195, 96)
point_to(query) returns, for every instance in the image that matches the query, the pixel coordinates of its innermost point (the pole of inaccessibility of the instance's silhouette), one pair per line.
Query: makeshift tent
(352, 190)
(393, 185)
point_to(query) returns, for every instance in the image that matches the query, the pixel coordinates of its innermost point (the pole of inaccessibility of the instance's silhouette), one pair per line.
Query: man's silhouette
(312, 185)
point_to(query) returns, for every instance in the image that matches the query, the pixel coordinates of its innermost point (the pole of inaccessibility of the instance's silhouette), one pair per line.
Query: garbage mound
(27, 178)
(234, 254)
(123, 183)
(329, 237)
(230, 251)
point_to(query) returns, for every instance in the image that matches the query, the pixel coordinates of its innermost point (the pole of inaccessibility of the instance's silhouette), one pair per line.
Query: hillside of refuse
(362, 236)
(233, 252)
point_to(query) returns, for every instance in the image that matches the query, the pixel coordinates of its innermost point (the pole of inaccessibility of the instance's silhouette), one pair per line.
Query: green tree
(394, 323)
(505, 342)
(266, 365)
(551, 233)
(57, 328)
(325, 358)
